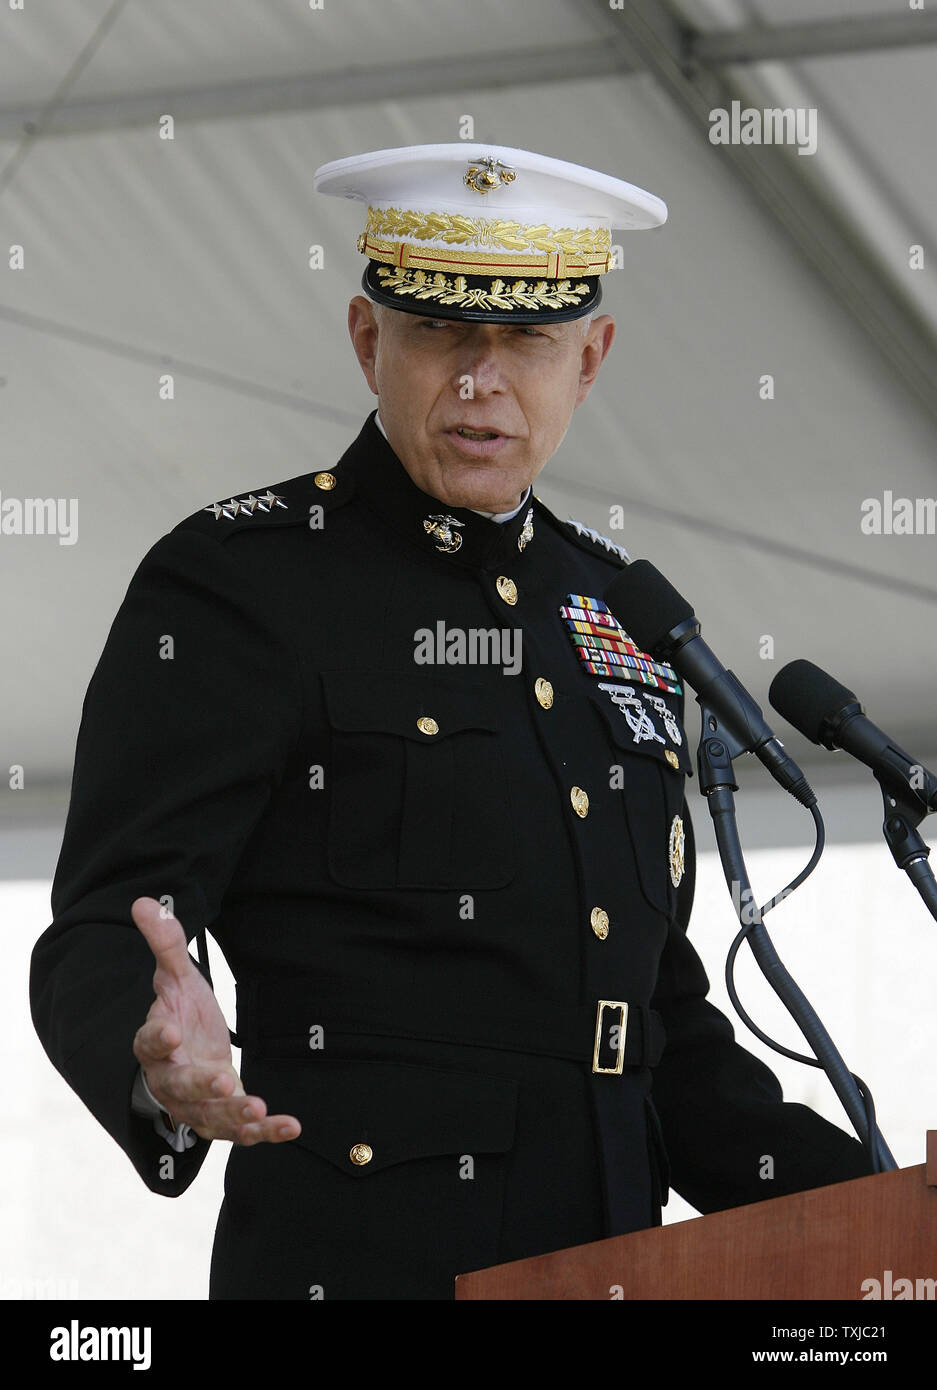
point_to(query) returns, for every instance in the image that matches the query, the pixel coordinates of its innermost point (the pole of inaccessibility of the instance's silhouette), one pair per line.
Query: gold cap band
(551, 265)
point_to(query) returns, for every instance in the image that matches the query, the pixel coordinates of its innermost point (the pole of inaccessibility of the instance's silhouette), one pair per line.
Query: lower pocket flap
(367, 1115)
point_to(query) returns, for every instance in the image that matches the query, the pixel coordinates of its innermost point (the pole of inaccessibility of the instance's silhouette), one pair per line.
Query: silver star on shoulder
(527, 532)
(268, 500)
(591, 534)
(246, 506)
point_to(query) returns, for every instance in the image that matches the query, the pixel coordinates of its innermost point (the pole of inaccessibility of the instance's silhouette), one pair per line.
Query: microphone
(662, 622)
(829, 714)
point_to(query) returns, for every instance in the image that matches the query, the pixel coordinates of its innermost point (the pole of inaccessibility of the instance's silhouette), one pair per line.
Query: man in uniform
(376, 731)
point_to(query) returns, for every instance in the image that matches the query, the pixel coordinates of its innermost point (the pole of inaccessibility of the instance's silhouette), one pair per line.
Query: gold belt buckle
(623, 1033)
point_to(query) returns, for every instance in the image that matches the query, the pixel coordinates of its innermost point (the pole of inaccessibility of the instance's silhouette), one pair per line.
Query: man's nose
(482, 361)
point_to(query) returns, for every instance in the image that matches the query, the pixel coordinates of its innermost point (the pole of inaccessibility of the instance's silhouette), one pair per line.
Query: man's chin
(485, 485)
(480, 494)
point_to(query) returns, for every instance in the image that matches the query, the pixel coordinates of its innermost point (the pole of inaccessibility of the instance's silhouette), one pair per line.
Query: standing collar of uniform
(383, 483)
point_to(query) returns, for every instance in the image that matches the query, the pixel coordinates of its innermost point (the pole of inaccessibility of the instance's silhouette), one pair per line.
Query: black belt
(607, 1034)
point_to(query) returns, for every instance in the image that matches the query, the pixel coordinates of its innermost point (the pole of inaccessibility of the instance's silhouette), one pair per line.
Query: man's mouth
(481, 443)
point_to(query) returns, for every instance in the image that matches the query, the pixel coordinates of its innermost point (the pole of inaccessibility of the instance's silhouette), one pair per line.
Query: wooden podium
(821, 1244)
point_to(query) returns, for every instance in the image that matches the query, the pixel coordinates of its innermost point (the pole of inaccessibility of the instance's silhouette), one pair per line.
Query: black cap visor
(481, 298)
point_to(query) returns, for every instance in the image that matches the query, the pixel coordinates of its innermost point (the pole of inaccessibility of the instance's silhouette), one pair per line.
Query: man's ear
(595, 348)
(363, 330)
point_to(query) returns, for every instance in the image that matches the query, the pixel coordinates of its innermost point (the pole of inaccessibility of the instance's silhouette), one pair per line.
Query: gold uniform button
(325, 481)
(507, 589)
(671, 757)
(599, 920)
(580, 802)
(544, 692)
(427, 724)
(361, 1154)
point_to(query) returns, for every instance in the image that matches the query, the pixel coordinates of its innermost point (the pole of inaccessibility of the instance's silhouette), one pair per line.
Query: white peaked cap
(487, 232)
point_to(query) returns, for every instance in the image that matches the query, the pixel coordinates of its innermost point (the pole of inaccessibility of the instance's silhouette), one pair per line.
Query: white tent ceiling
(144, 255)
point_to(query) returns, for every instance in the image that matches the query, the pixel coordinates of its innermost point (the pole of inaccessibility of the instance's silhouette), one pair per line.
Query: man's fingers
(248, 1124)
(164, 935)
(234, 1114)
(275, 1129)
(241, 1118)
(155, 1040)
(182, 1084)
(189, 1098)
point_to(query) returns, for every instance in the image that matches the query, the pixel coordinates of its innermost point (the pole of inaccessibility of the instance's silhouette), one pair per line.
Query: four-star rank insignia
(246, 506)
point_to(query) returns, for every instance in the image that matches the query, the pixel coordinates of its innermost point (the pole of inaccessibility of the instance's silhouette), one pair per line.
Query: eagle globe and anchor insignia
(527, 530)
(441, 528)
(487, 173)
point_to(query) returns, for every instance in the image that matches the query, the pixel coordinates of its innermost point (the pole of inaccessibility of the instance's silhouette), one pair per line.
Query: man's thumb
(164, 935)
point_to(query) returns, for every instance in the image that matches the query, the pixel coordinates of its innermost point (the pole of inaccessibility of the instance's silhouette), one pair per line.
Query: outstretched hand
(184, 1047)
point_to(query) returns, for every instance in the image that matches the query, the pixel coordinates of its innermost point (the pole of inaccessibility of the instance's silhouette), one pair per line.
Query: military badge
(441, 528)
(676, 848)
(666, 713)
(488, 173)
(527, 531)
(632, 707)
(605, 649)
(590, 533)
(245, 506)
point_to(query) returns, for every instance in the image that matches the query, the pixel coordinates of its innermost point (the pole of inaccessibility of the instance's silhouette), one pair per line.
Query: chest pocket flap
(419, 791)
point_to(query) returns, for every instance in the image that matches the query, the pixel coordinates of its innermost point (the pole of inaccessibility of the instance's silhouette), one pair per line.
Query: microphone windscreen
(807, 697)
(647, 605)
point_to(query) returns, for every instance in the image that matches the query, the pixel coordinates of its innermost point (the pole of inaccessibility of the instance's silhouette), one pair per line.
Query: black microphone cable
(864, 1092)
(662, 622)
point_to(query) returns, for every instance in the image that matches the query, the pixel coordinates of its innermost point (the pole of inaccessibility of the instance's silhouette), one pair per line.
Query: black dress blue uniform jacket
(389, 855)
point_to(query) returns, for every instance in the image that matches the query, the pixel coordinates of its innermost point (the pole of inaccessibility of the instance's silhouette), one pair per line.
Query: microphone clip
(718, 746)
(904, 812)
